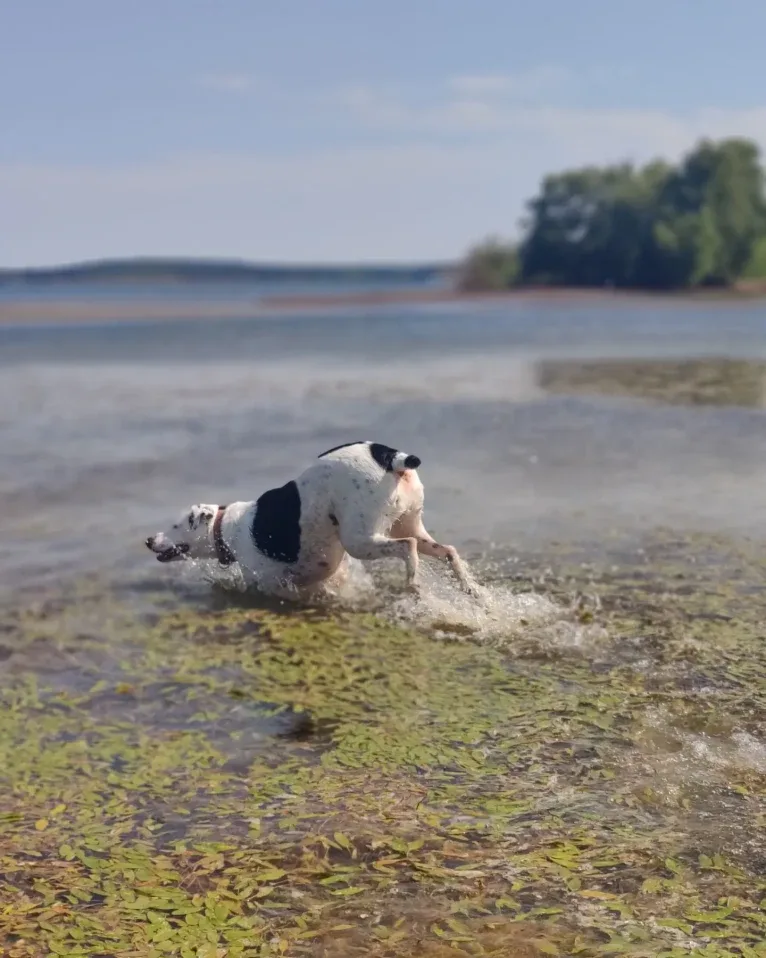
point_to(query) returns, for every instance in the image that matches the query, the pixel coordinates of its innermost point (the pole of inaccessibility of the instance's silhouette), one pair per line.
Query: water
(108, 431)
(246, 290)
(587, 739)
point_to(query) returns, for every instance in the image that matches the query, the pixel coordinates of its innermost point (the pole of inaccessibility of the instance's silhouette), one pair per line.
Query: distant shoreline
(43, 312)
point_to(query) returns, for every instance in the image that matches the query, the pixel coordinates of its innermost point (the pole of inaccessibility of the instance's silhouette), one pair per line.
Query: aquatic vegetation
(200, 777)
(693, 382)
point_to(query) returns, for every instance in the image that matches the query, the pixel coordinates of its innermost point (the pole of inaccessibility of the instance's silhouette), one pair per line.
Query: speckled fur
(350, 505)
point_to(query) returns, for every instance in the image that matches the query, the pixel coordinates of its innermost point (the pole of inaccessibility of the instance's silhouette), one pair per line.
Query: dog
(361, 499)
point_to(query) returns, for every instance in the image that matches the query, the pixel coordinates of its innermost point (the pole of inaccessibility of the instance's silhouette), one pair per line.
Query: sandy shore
(91, 310)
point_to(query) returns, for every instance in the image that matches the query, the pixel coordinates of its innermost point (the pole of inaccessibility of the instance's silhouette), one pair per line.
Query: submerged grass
(215, 780)
(695, 382)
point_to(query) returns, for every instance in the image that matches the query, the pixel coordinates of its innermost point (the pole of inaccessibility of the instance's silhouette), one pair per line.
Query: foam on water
(525, 623)
(496, 615)
(354, 589)
(678, 756)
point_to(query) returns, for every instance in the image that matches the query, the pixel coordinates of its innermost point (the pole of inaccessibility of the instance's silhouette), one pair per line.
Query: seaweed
(206, 778)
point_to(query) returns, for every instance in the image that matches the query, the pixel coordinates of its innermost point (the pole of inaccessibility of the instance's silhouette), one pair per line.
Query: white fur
(350, 505)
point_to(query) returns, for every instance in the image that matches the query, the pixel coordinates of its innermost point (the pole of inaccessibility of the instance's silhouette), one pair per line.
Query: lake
(515, 776)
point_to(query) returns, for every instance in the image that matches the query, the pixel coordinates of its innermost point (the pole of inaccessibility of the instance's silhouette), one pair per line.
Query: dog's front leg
(411, 524)
(376, 546)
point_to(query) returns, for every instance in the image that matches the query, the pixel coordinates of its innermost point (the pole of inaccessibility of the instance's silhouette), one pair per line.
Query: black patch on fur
(334, 520)
(383, 455)
(201, 515)
(411, 462)
(343, 445)
(276, 528)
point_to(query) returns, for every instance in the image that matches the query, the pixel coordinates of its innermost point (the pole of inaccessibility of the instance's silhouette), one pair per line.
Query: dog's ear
(200, 515)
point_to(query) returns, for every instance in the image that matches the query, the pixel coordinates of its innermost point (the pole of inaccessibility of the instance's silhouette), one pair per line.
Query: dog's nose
(411, 462)
(150, 542)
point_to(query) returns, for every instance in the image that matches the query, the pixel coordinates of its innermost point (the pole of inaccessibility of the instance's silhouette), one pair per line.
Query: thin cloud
(526, 84)
(418, 194)
(488, 106)
(470, 103)
(228, 82)
(372, 107)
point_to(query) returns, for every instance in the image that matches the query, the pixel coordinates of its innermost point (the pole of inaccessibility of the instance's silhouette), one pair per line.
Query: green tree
(721, 184)
(590, 227)
(682, 253)
(654, 227)
(755, 268)
(492, 265)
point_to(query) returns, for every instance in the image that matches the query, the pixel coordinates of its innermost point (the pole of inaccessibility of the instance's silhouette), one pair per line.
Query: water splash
(524, 623)
(683, 756)
(352, 587)
(498, 612)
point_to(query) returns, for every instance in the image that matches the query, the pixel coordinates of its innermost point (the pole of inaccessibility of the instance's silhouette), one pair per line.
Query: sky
(342, 130)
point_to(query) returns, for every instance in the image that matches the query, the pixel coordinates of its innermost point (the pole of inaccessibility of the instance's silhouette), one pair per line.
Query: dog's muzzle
(167, 555)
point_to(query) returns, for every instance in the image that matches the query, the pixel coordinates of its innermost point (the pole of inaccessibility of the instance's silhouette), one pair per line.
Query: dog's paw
(475, 591)
(413, 588)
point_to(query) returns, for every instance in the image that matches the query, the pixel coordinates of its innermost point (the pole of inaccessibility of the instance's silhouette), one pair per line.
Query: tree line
(188, 270)
(701, 223)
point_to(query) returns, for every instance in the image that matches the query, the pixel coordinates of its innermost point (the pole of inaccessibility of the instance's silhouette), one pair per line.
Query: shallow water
(107, 432)
(574, 764)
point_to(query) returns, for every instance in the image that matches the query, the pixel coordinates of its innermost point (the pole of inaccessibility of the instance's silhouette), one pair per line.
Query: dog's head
(190, 537)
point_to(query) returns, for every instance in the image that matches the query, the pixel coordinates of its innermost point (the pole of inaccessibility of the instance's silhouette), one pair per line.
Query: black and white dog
(361, 499)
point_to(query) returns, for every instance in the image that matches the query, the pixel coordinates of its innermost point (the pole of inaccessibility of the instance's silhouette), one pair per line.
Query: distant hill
(219, 271)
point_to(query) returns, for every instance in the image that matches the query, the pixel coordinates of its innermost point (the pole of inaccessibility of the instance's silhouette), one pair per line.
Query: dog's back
(362, 451)
(364, 484)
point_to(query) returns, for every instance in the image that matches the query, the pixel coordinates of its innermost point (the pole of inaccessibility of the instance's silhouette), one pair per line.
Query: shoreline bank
(46, 312)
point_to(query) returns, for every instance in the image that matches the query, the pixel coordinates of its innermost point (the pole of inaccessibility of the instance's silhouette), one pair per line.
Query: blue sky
(339, 130)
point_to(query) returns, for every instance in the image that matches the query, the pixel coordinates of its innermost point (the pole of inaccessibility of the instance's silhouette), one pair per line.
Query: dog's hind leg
(376, 546)
(411, 525)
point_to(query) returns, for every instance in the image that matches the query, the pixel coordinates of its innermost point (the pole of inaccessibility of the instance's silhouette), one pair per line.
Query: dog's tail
(392, 460)
(403, 460)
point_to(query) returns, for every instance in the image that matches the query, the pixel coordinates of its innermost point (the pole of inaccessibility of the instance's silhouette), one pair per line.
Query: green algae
(713, 381)
(208, 779)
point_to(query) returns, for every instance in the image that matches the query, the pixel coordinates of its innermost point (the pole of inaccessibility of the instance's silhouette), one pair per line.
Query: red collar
(223, 552)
